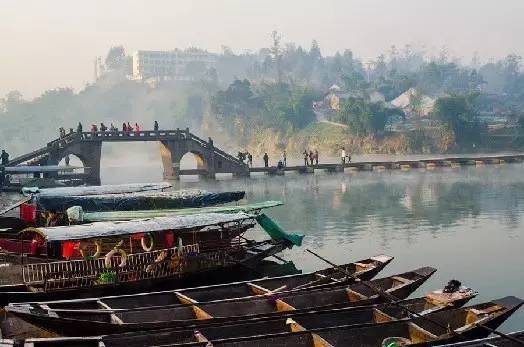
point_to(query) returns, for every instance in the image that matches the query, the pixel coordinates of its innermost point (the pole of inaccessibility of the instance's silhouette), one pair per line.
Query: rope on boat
(394, 300)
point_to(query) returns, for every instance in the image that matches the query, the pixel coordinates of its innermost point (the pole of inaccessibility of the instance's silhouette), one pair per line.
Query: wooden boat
(78, 215)
(363, 270)
(97, 190)
(184, 311)
(356, 317)
(416, 332)
(452, 325)
(35, 210)
(493, 341)
(139, 255)
(147, 200)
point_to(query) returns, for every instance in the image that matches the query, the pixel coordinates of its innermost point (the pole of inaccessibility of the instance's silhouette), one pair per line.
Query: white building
(176, 64)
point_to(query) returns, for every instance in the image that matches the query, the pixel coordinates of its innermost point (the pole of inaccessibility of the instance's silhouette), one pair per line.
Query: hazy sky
(50, 43)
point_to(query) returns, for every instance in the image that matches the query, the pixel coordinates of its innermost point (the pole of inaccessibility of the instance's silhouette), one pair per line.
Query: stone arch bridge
(174, 144)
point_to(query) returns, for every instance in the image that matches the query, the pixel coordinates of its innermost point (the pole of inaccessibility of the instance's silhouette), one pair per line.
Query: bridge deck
(415, 163)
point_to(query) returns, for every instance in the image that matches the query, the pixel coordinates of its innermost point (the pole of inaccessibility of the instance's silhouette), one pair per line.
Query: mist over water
(466, 222)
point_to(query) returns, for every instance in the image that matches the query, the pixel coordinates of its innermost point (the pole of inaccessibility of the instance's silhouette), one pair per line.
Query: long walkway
(401, 164)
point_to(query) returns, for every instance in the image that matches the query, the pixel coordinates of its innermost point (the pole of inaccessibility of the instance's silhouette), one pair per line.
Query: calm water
(468, 222)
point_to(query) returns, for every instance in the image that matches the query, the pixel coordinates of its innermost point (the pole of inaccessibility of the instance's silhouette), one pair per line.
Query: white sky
(50, 43)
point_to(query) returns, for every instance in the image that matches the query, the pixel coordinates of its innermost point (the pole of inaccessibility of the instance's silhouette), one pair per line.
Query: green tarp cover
(276, 232)
(77, 214)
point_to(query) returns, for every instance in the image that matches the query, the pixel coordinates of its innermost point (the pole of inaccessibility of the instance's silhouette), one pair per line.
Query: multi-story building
(176, 64)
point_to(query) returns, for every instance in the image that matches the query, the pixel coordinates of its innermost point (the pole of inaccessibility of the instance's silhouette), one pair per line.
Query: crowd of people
(127, 128)
(310, 158)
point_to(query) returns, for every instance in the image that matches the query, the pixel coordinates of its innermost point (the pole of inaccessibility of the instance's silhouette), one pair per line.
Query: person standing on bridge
(284, 158)
(250, 159)
(129, 128)
(343, 155)
(155, 126)
(311, 157)
(137, 129)
(316, 156)
(79, 128)
(306, 157)
(266, 160)
(94, 129)
(4, 157)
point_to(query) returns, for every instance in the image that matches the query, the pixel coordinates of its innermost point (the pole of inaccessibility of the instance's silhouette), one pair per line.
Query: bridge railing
(154, 135)
(143, 134)
(218, 151)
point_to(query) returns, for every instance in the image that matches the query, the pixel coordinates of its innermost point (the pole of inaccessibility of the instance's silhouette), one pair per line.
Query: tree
(364, 118)
(459, 114)
(276, 53)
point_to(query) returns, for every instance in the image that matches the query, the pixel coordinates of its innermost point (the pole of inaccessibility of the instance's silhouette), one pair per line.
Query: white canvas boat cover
(111, 229)
(97, 190)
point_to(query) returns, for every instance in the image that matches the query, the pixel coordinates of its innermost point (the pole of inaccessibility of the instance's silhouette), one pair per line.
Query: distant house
(333, 98)
(414, 104)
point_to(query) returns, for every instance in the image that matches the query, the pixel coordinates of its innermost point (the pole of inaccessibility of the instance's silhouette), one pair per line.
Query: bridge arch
(71, 159)
(194, 159)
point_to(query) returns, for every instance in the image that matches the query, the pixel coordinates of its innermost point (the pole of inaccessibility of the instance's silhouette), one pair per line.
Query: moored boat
(364, 270)
(182, 310)
(351, 316)
(97, 190)
(145, 200)
(133, 256)
(49, 206)
(456, 324)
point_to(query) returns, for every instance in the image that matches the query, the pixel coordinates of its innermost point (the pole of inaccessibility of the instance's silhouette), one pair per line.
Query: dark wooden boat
(417, 332)
(453, 325)
(493, 341)
(365, 269)
(356, 317)
(179, 310)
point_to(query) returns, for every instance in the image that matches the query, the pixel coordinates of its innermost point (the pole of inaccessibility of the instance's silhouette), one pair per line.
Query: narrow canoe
(108, 320)
(356, 317)
(453, 325)
(365, 270)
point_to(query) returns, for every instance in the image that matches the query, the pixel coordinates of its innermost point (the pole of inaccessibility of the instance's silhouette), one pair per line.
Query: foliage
(364, 117)
(275, 104)
(458, 112)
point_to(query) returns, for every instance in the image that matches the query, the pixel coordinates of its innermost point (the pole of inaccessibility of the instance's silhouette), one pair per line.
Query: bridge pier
(88, 153)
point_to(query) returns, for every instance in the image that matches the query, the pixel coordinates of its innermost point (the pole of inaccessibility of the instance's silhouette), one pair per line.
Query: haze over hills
(442, 94)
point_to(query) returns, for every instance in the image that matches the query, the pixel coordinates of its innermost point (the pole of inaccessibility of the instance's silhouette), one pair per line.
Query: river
(467, 222)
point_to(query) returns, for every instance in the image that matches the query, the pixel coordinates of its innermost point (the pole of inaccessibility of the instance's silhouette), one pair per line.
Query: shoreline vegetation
(286, 97)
